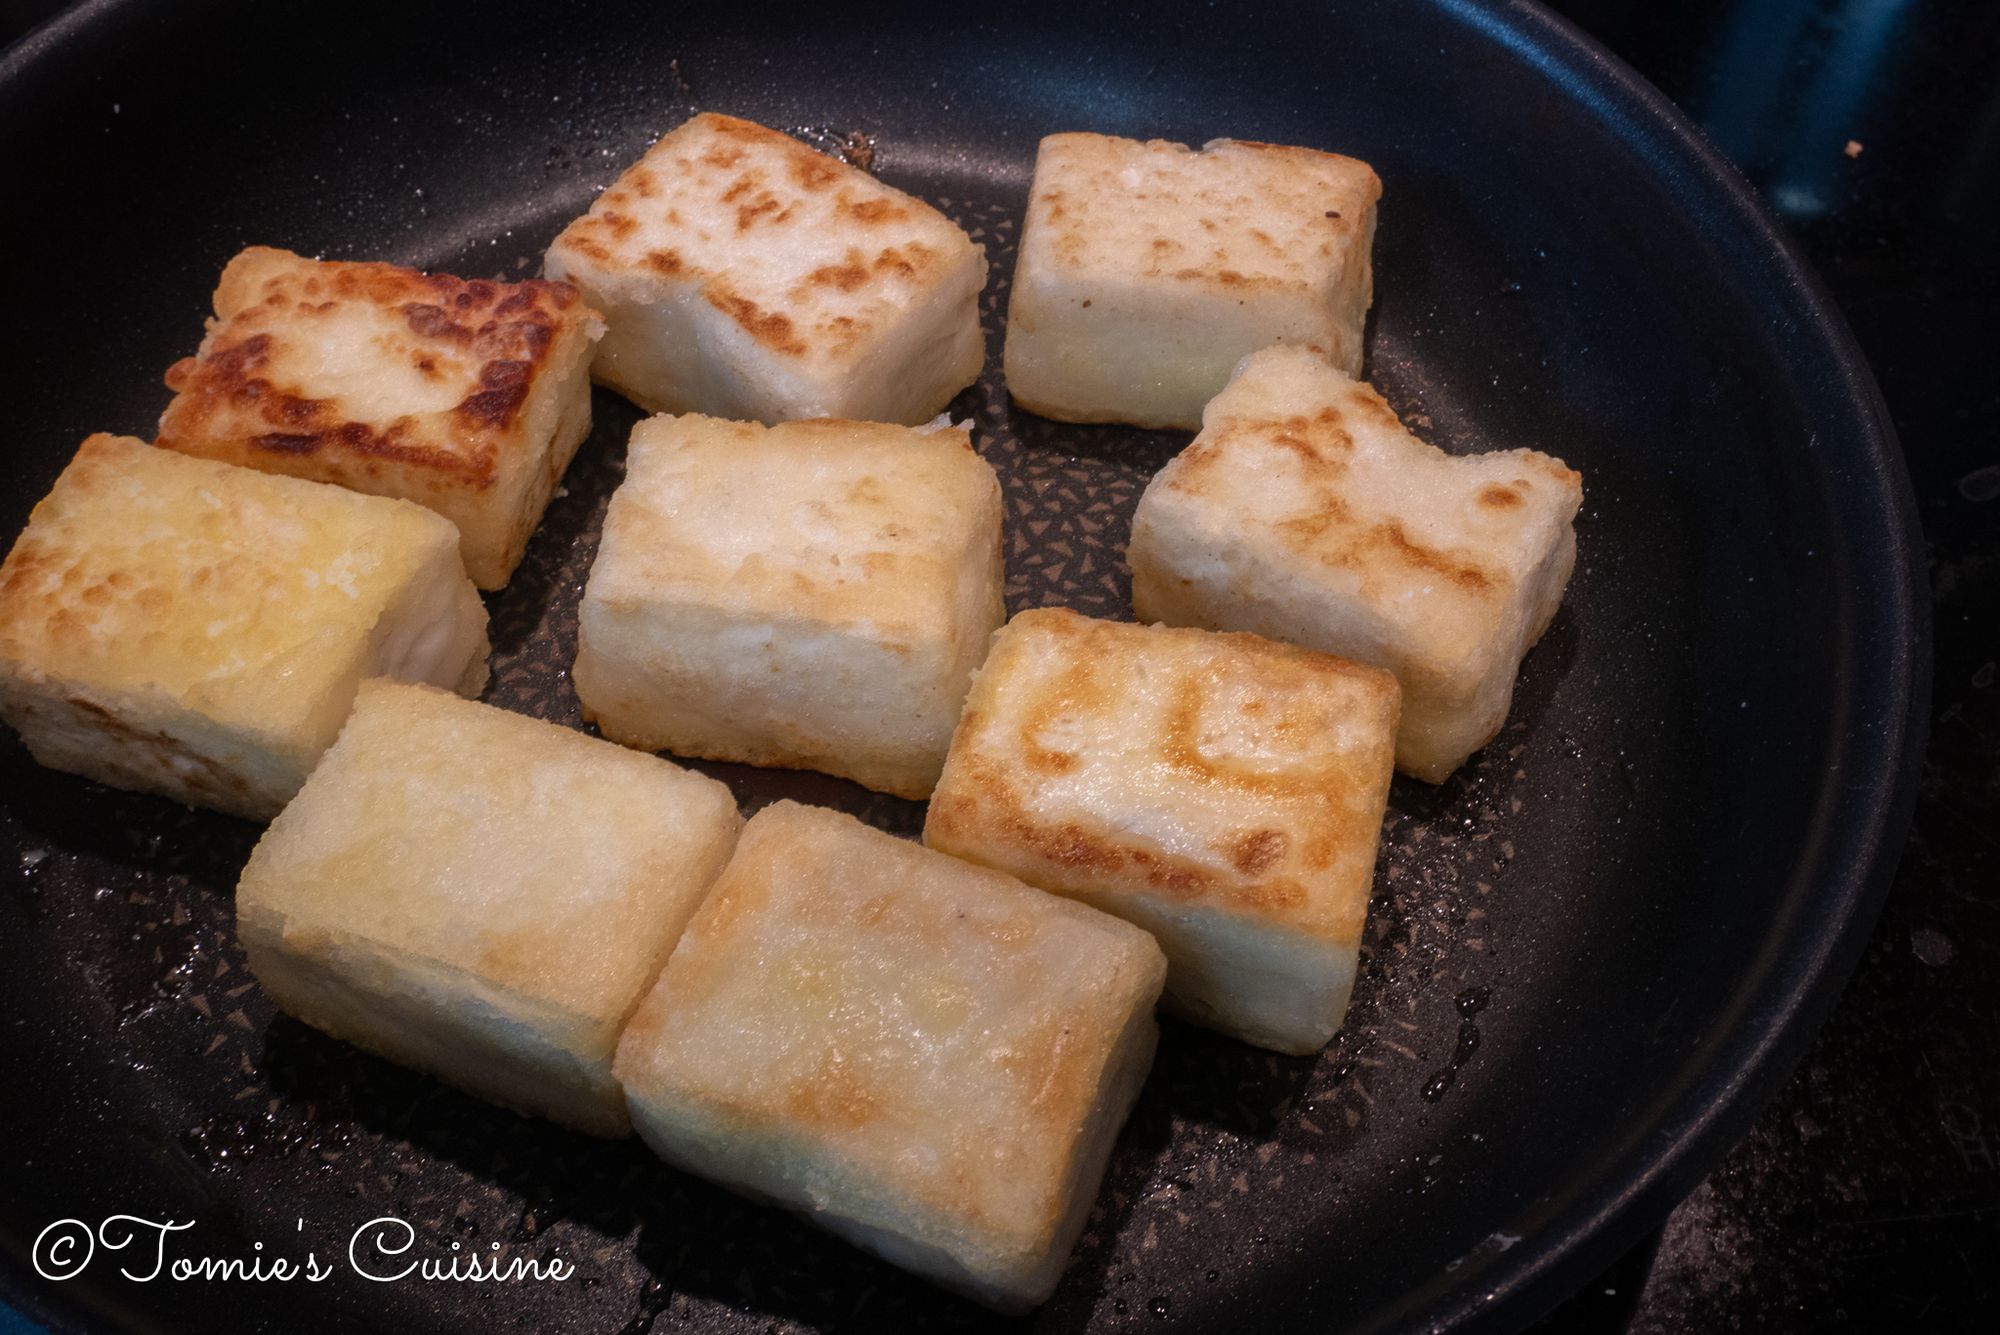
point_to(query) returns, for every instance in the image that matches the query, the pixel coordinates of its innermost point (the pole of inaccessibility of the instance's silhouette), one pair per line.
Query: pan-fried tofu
(1148, 270)
(1224, 792)
(813, 595)
(744, 275)
(184, 627)
(468, 398)
(925, 1057)
(1304, 511)
(482, 896)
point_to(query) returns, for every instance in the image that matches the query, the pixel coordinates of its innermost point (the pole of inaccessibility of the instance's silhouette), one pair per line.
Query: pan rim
(1850, 861)
(1859, 842)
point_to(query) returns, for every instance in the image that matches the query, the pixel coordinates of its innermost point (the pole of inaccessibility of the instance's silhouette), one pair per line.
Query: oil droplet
(1470, 1003)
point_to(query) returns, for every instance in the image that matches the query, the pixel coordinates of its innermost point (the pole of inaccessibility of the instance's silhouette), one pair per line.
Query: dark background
(1868, 1194)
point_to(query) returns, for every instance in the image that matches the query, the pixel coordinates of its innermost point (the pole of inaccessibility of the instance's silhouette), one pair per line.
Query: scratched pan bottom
(1588, 954)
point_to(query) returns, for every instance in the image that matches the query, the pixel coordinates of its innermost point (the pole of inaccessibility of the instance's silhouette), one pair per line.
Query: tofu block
(1304, 511)
(1224, 792)
(1148, 270)
(745, 275)
(184, 627)
(926, 1058)
(813, 595)
(482, 896)
(468, 398)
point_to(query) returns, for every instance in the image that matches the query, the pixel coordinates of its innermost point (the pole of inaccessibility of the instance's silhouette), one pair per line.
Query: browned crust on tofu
(758, 194)
(228, 390)
(869, 212)
(773, 329)
(1329, 532)
(981, 804)
(810, 169)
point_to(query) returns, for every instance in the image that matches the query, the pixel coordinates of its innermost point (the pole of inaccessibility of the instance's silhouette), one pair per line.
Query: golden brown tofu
(1148, 270)
(744, 275)
(468, 398)
(482, 896)
(1305, 511)
(925, 1057)
(184, 627)
(1224, 792)
(810, 595)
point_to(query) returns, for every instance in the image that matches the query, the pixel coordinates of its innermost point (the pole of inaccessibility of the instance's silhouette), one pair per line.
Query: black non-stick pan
(1590, 954)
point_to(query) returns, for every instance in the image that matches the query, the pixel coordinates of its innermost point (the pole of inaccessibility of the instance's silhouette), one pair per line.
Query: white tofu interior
(435, 633)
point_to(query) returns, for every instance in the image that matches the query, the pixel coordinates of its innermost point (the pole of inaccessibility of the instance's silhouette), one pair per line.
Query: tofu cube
(468, 398)
(482, 896)
(1304, 511)
(813, 595)
(926, 1058)
(745, 275)
(188, 628)
(1148, 270)
(1224, 792)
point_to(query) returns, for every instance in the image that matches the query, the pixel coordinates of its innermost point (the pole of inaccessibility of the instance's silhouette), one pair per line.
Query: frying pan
(1591, 954)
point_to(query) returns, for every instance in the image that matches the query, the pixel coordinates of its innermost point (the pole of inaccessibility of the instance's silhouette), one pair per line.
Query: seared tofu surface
(1148, 270)
(745, 275)
(189, 628)
(810, 595)
(1305, 511)
(482, 896)
(1222, 791)
(467, 397)
(926, 1057)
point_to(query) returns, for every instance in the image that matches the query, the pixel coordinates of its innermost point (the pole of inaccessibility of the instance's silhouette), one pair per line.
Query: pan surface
(1590, 954)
